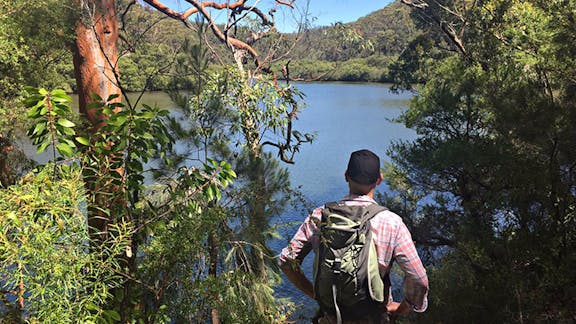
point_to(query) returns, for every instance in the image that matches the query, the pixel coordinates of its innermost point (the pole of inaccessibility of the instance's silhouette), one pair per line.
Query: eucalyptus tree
(96, 62)
(490, 180)
(114, 141)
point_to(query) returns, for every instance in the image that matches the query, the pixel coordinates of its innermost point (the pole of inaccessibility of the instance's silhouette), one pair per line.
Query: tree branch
(445, 26)
(200, 7)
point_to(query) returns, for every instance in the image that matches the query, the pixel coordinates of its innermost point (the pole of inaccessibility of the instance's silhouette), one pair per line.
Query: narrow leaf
(65, 149)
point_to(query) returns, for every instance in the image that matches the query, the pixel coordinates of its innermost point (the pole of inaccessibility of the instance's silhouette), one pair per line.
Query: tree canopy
(490, 180)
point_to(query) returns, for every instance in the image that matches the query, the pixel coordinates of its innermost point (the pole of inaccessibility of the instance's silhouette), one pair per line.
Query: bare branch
(200, 7)
(415, 4)
(169, 12)
(445, 26)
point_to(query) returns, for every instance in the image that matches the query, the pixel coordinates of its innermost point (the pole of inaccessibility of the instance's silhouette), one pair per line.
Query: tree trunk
(213, 271)
(96, 72)
(96, 54)
(5, 174)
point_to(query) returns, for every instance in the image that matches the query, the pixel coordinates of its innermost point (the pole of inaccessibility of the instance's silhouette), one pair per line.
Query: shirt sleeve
(302, 242)
(415, 285)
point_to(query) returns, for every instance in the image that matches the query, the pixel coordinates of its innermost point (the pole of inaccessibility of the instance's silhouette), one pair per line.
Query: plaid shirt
(393, 242)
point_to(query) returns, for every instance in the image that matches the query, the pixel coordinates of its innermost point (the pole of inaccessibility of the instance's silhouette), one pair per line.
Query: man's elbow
(416, 293)
(289, 265)
(423, 283)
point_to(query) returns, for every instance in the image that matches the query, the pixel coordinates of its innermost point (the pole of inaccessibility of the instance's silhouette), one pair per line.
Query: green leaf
(118, 120)
(31, 90)
(82, 140)
(94, 105)
(147, 135)
(69, 142)
(62, 108)
(113, 96)
(147, 115)
(65, 149)
(67, 131)
(96, 97)
(111, 315)
(42, 147)
(34, 112)
(65, 122)
(59, 95)
(39, 129)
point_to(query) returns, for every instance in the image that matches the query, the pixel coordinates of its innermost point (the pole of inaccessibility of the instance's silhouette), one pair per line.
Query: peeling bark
(96, 55)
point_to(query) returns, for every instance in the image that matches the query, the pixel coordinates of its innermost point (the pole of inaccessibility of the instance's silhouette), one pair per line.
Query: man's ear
(380, 179)
(346, 176)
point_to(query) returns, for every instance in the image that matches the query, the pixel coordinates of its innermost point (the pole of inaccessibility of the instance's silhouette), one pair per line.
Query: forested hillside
(151, 49)
(359, 51)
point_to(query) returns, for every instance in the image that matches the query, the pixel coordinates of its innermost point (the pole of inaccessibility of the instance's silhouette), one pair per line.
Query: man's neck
(370, 194)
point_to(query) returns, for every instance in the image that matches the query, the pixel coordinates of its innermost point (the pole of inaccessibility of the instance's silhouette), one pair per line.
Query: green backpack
(347, 283)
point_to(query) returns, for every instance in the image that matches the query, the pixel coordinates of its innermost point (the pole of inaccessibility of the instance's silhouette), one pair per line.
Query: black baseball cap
(363, 167)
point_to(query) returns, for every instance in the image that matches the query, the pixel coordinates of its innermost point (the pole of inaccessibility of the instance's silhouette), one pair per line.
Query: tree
(118, 142)
(235, 229)
(488, 182)
(110, 149)
(47, 274)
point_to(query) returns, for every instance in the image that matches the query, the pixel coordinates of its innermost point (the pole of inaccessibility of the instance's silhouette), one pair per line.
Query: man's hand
(398, 309)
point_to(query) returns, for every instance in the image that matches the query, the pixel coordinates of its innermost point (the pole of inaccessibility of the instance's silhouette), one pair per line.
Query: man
(390, 235)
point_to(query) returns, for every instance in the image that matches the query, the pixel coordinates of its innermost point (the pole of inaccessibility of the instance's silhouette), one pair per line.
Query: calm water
(346, 117)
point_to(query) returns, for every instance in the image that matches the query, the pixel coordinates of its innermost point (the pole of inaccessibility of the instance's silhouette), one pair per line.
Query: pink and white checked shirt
(393, 242)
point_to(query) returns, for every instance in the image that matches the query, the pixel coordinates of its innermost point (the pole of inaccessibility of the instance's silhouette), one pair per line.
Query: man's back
(391, 238)
(394, 243)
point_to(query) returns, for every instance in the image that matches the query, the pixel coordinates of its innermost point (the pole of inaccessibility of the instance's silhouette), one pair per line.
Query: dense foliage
(46, 264)
(490, 183)
(357, 51)
(33, 52)
(178, 244)
(151, 43)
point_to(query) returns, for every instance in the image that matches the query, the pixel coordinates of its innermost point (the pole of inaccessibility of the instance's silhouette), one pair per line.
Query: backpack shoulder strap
(371, 211)
(368, 213)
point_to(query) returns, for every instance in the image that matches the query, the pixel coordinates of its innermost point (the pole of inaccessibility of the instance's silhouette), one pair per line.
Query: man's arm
(296, 276)
(415, 285)
(291, 256)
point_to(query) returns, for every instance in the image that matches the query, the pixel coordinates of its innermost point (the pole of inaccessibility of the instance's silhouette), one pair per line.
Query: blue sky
(330, 11)
(325, 12)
